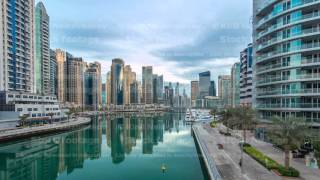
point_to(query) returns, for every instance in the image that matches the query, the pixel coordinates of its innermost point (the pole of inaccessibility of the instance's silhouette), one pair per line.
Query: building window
(29, 109)
(19, 109)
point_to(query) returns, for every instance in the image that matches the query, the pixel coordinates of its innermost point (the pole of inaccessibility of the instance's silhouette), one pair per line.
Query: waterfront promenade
(306, 173)
(227, 159)
(8, 135)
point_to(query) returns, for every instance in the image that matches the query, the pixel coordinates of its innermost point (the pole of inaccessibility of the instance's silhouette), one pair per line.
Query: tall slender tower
(61, 58)
(147, 85)
(17, 46)
(42, 51)
(117, 90)
(108, 87)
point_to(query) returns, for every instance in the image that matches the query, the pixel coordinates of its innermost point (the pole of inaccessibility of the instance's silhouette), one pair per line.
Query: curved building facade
(287, 58)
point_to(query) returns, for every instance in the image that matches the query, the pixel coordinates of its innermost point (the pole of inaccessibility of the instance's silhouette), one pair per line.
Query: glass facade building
(204, 84)
(212, 89)
(246, 63)
(235, 84)
(117, 81)
(42, 51)
(287, 58)
(17, 46)
(147, 85)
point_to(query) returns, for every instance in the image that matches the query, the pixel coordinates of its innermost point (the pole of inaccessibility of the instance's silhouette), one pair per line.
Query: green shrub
(291, 172)
(213, 124)
(269, 163)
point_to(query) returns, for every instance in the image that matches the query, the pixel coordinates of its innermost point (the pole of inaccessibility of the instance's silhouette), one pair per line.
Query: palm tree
(23, 119)
(69, 113)
(245, 119)
(214, 112)
(288, 133)
(228, 118)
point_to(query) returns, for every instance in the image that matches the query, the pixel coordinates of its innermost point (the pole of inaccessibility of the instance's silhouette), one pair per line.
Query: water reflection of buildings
(45, 158)
(124, 131)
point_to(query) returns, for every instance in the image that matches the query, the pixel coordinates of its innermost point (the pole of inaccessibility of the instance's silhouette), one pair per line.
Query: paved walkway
(306, 173)
(227, 160)
(29, 131)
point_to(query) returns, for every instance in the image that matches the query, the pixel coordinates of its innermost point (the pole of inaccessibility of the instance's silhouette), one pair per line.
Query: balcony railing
(304, 61)
(273, 79)
(271, 15)
(277, 39)
(279, 25)
(286, 92)
(289, 105)
(297, 48)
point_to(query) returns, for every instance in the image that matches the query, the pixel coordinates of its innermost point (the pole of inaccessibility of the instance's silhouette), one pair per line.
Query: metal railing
(271, 15)
(290, 105)
(273, 79)
(286, 92)
(279, 25)
(212, 165)
(296, 48)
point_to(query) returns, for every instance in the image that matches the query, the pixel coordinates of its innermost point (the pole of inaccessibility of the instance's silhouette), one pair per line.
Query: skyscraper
(225, 90)
(117, 82)
(246, 76)
(155, 88)
(17, 46)
(204, 84)
(75, 68)
(53, 72)
(160, 88)
(104, 94)
(212, 89)
(134, 93)
(42, 51)
(147, 84)
(127, 79)
(194, 90)
(108, 87)
(61, 57)
(93, 86)
(177, 98)
(286, 54)
(235, 84)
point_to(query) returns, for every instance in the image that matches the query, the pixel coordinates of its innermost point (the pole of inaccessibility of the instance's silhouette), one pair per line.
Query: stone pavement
(306, 173)
(227, 160)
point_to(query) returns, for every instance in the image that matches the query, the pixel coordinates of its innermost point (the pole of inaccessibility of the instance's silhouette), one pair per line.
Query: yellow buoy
(163, 168)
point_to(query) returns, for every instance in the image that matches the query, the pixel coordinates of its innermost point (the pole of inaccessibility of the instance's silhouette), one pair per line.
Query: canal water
(151, 147)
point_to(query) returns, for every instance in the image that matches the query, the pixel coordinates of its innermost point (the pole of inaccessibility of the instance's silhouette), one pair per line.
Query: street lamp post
(241, 159)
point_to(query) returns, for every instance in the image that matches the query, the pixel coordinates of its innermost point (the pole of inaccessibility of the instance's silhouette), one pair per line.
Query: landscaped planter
(270, 164)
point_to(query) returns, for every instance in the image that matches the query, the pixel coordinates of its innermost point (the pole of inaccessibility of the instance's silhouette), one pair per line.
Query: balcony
(271, 15)
(278, 79)
(274, 41)
(297, 49)
(265, 5)
(278, 26)
(314, 106)
(278, 66)
(279, 92)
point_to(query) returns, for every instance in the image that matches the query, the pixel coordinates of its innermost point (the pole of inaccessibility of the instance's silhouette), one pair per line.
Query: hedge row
(269, 163)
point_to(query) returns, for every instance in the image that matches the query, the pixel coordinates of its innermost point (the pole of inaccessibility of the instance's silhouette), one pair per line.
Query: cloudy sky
(180, 38)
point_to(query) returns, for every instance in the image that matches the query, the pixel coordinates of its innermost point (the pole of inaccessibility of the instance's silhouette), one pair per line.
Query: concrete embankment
(28, 132)
(209, 162)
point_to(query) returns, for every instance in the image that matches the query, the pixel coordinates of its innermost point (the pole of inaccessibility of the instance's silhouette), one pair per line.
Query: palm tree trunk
(287, 157)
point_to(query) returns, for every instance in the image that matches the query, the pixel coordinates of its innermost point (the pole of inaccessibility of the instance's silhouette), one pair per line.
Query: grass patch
(269, 163)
